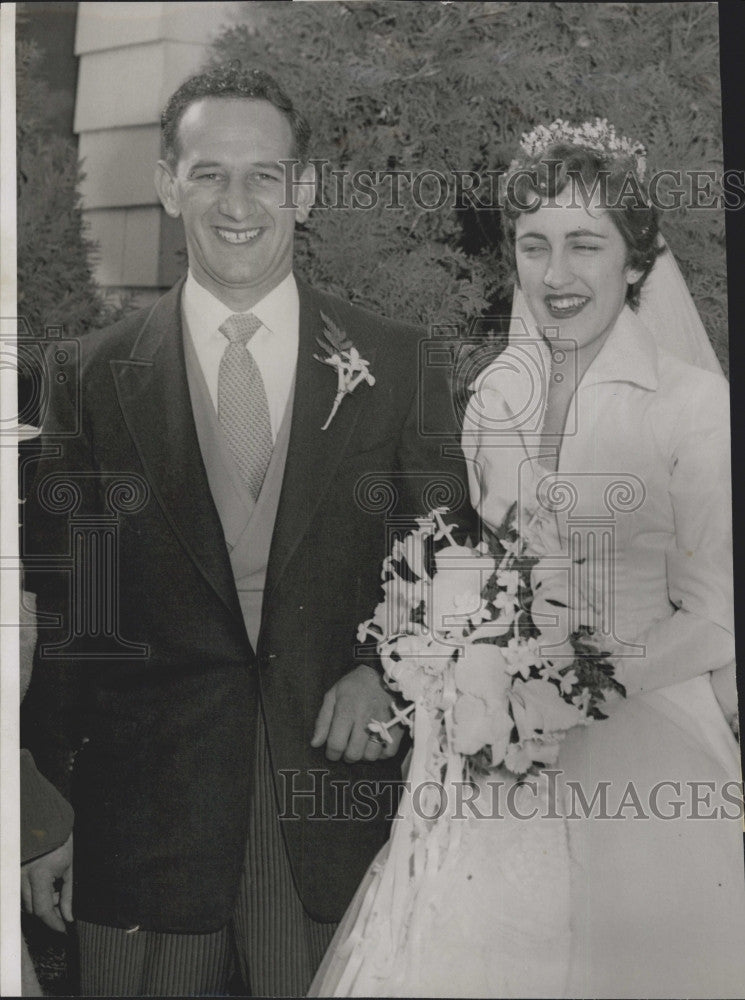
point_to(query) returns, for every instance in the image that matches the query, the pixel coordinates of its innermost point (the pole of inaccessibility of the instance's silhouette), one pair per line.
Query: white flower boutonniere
(341, 354)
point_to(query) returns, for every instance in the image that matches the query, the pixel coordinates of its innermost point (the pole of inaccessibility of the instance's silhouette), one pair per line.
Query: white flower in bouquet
(519, 759)
(543, 751)
(415, 665)
(472, 725)
(522, 655)
(538, 707)
(481, 715)
(509, 579)
(456, 591)
(481, 669)
(393, 615)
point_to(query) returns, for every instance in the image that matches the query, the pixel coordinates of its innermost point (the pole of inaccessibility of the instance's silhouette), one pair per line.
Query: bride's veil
(666, 309)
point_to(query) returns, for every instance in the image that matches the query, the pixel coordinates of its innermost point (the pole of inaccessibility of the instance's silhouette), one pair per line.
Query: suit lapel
(313, 454)
(154, 397)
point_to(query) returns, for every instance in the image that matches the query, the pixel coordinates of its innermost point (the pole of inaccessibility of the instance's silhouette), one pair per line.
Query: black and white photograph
(368, 553)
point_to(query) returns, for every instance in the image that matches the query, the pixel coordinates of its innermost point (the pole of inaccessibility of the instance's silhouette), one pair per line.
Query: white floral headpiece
(598, 136)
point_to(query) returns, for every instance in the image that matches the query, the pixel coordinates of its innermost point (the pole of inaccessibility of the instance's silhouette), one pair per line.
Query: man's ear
(165, 185)
(305, 192)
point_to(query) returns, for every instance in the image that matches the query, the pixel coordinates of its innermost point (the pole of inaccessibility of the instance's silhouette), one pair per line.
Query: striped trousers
(278, 947)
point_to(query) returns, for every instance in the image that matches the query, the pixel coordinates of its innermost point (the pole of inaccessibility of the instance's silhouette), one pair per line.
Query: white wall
(132, 57)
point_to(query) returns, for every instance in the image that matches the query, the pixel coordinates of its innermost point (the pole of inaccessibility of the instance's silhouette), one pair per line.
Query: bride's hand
(347, 708)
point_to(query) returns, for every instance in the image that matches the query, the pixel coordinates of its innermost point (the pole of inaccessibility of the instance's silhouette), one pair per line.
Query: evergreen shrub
(451, 87)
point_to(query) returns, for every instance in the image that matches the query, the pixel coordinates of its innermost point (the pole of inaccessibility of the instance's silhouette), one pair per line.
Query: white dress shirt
(274, 346)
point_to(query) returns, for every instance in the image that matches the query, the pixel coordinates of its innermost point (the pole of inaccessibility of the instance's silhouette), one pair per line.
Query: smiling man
(224, 174)
(219, 726)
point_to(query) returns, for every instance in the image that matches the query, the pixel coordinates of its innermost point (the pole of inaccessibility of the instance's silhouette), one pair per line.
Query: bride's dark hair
(621, 195)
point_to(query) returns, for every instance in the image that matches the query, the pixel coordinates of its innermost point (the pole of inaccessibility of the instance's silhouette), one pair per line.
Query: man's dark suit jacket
(163, 743)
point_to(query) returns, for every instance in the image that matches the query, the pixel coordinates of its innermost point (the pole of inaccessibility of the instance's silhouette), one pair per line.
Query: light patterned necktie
(242, 407)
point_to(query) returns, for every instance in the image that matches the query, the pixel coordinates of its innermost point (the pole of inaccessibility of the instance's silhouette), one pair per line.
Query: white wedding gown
(588, 906)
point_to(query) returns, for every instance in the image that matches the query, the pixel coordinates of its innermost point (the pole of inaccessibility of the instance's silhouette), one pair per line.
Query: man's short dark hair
(232, 81)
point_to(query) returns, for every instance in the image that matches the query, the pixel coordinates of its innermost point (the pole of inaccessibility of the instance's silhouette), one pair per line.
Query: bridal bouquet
(456, 639)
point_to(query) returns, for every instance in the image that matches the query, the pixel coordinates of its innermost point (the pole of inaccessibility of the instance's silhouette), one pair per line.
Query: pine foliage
(451, 87)
(55, 282)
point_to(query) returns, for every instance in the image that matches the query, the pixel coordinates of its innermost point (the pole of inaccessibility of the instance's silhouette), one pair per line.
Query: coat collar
(522, 370)
(153, 393)
(628, 355)
(154, 396)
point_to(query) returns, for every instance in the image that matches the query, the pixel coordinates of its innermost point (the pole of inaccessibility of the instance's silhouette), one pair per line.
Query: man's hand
(346, 710)
(38, 894)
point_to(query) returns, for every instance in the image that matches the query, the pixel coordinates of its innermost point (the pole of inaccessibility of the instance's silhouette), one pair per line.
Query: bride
(607, 419)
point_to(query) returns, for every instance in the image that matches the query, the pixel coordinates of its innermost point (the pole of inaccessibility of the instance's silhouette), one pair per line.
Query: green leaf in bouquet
(594, 670)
